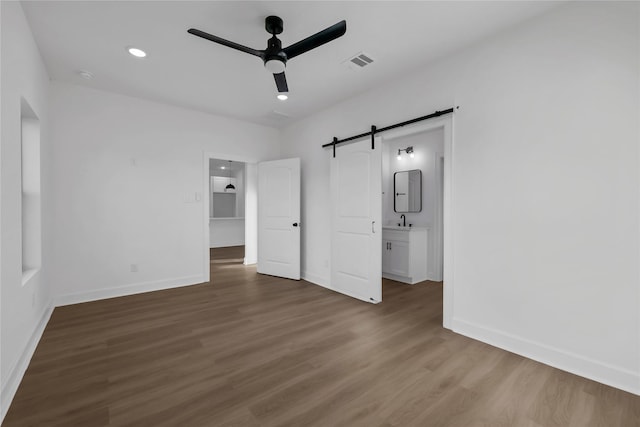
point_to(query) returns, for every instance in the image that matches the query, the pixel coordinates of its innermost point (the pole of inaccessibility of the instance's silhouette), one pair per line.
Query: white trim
(29, 274)
(448, 230)
(438, 223)
(131, 289)
(574, 363)
(17, 371)
(401, 279)
(435, 123)
(446, 124)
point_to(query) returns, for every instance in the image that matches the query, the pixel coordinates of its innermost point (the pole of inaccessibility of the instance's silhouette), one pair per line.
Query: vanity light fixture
(408, 150)
(229, 186)
(282, 96)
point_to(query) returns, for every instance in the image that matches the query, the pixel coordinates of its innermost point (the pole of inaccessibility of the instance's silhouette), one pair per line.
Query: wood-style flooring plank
(252, 350)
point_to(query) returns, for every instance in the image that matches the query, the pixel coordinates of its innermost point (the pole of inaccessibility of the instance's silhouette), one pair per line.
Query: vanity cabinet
(404, 254)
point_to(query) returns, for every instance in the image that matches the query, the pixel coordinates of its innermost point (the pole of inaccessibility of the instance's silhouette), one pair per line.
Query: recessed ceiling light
(282, 97)
(222, 167)
(87, 75)
(139, 53)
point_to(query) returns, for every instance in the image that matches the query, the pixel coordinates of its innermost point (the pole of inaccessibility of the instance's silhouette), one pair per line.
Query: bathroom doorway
(417, 235)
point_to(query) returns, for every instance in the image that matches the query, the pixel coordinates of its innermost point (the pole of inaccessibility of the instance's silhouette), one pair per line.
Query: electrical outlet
(134, 268)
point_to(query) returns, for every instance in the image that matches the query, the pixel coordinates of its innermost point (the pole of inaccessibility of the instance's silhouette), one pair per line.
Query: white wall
(239, 175)
(24, 308)
(225, 232)
(129, 184)
(428, 146)
(545, 185)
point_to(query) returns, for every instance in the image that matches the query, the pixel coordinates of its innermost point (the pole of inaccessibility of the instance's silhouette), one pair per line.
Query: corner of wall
(17, 371)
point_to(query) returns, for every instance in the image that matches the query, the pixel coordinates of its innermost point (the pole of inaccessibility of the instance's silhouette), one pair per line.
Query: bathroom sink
(397, 227)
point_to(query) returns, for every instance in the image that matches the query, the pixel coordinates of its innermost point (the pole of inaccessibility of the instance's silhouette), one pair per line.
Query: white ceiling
(230, 168)
(187, 71)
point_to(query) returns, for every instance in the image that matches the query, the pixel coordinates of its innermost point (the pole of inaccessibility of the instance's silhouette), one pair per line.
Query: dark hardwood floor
(253, 350)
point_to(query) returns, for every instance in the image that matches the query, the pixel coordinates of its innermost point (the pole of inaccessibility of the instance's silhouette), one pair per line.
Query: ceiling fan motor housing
(273, 25)
(274, 57)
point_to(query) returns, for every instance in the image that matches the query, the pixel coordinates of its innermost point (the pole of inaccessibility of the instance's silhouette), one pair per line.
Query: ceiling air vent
(277, 116)
(359, 61)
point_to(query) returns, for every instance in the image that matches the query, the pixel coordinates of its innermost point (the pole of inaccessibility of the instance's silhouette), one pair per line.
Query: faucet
(404, 220)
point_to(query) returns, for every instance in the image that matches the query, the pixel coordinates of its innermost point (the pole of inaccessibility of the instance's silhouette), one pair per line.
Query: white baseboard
(579, 365)
(401, 279)
(10, 386)
(121, 291)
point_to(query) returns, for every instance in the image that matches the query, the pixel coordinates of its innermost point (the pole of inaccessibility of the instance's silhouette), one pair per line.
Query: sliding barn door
(279, 218)
(356, 243)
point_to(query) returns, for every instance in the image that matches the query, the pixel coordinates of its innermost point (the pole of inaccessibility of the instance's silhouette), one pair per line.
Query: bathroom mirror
(407, 191)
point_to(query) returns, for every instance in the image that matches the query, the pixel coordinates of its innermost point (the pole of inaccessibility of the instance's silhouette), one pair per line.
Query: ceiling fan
(274, 56)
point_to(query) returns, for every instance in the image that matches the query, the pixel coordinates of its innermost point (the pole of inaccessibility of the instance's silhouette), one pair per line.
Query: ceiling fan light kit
(274, 56)
(275, 66)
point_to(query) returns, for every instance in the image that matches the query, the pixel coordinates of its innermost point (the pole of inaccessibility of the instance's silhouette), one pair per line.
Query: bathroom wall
(428, 148)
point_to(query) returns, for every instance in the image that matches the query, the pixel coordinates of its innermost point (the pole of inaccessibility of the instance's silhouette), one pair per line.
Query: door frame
(251, 209)
(446, 124)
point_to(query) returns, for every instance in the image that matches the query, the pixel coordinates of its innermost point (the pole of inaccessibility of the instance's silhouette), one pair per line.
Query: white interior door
(356, 229)
(279, 218)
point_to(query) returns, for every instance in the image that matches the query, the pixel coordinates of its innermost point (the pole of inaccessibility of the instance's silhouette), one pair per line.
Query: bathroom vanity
(404, 253)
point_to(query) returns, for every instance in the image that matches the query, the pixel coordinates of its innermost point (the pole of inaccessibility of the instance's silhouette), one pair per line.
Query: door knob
(295, 224)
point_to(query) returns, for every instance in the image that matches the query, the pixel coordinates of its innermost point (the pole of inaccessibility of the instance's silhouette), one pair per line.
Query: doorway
(426, 147)
(226, 208)
(234, 216)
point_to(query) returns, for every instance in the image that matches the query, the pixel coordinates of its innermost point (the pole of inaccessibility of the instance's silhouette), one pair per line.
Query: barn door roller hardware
(375, 130)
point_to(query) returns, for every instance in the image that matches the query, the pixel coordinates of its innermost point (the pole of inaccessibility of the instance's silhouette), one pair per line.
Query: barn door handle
(373, 230)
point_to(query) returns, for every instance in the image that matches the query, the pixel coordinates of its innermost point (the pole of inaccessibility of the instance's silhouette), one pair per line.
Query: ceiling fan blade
(281, 82)
(318, 39)
(227, 43)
